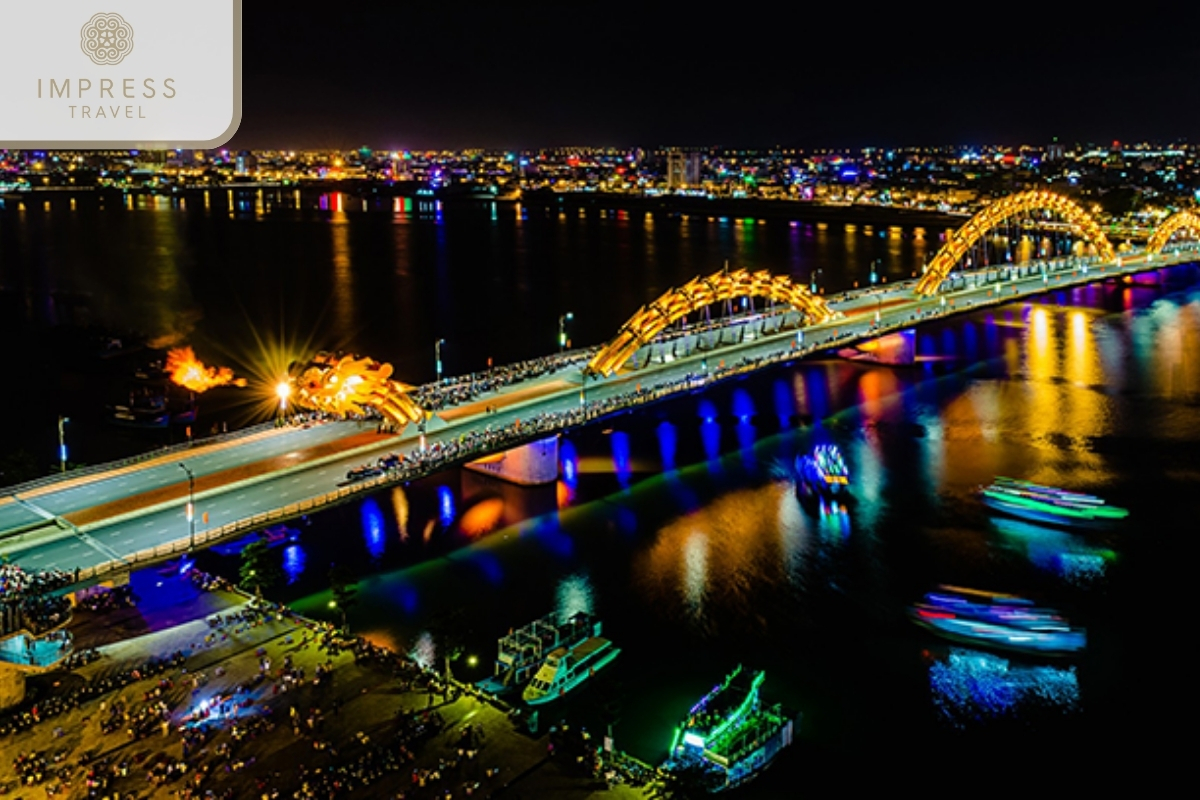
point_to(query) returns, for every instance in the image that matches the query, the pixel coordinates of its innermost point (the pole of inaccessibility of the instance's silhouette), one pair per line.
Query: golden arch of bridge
(699, 293)
(997, 213)
(1186, 222)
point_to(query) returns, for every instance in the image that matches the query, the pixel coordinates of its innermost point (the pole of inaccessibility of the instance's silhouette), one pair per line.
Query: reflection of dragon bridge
(346, 384)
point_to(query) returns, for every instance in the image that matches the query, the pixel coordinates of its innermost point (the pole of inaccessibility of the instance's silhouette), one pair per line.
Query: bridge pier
(532, 464)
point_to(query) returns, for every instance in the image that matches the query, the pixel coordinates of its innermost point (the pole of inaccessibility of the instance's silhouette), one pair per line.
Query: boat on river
(566, 668)
(521, 652)
(997, 620)
(823, 472)
(730, 733)
(1046, 504)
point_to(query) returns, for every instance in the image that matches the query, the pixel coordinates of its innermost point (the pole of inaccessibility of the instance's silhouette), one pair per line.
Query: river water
(679, 525)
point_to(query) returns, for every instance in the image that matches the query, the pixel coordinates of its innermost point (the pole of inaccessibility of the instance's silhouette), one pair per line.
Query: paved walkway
(359, 706)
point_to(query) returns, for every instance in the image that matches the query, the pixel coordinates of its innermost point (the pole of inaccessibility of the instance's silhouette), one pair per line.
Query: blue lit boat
(730, 733)
(997, 620)
(1047, 504)
(823, 471)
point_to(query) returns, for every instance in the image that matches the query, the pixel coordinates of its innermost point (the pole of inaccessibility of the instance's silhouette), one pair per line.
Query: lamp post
(334, 604)
(191, 507)
(62, 444)
(283, 390)
(437, 355)
(562, 330)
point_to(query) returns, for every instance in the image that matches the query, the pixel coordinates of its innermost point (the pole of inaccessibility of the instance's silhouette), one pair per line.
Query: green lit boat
(730, 732)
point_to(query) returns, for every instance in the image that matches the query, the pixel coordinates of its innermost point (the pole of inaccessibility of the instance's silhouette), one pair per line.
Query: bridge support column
(528, 465)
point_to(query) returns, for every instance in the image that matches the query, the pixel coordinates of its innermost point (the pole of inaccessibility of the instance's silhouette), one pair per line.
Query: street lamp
(191, 507)
(334, 604)
(283, 391)
(62, 444)
(437, 355)
(562, 330)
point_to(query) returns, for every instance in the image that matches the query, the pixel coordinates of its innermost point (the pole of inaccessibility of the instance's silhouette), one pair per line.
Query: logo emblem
(106, 39)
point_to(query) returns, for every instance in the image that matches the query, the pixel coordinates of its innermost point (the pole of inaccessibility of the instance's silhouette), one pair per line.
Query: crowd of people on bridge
(455, 391)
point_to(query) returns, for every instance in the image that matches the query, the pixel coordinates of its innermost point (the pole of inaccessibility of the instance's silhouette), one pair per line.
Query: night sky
(447, 74)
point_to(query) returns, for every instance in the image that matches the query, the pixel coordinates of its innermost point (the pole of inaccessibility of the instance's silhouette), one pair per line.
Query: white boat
(567, 667)
(522, 652)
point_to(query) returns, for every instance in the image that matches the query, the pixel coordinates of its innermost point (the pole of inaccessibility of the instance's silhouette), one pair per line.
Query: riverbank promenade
(196, 692)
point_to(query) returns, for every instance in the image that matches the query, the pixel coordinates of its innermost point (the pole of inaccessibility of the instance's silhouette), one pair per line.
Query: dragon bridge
(347, 384)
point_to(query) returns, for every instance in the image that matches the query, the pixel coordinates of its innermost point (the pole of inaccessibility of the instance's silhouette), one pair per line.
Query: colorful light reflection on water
(293, 562)
(374, 532)
(697, 555)
(969, 686)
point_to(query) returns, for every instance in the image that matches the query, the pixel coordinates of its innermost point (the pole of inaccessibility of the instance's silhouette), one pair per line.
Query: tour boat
(1047, 504)
(731, 733)
(567, 667)
(823, 471)
(521, 652)
(999, 620)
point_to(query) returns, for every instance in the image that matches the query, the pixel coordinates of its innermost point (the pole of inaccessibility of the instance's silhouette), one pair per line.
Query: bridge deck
(177, 493)
(507, 399)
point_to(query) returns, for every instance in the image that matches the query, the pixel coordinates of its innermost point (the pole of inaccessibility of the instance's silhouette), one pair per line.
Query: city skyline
(621, 75)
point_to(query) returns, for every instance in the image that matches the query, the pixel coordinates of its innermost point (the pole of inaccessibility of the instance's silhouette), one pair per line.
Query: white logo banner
(120, 73)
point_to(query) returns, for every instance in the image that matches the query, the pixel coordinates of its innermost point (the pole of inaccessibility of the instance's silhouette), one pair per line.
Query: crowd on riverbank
(253, 702)
(27, 600)
(16, 582)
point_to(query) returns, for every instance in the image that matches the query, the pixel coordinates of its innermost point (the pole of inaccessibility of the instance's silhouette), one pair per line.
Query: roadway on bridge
(560, 391)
